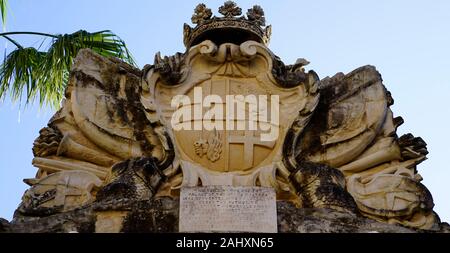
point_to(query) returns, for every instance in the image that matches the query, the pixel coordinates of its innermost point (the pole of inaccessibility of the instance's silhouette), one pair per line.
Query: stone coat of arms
(144, 134)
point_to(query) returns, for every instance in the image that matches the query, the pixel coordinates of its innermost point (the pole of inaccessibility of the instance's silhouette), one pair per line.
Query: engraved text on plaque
(228, 209)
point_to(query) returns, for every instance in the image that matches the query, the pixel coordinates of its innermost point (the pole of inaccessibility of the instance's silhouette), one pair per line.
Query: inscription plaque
(228, 209)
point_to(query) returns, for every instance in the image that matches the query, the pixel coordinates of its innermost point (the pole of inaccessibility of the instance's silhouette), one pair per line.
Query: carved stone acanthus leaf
(170, 68)
(291, 75)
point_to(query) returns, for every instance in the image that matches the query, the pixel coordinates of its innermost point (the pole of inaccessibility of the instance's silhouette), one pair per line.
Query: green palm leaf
(19, 72)
(45, 74)
(3, 10)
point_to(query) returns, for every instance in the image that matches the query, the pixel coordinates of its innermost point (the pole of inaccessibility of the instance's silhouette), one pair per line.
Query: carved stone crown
(232, 27)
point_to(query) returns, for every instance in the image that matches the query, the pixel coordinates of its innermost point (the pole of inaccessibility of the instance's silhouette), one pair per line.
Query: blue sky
(408, 42)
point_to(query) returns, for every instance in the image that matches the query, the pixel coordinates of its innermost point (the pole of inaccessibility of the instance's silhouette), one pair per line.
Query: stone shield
(231, 73)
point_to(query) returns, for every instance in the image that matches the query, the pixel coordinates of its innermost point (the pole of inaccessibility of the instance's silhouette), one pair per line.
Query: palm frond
(19, 73)
(3, 11)
(45, 74)
(105, 43)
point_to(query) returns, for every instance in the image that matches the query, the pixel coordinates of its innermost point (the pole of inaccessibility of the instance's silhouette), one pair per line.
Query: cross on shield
(224, 149)
(249, 141)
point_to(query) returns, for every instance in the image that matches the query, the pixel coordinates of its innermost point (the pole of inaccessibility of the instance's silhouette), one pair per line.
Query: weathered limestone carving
(229, 9)
(321, 186)
(230, 28)
(168, 67)
(211, 147)
(137, 179)
(201, 13)
(354, 130)
(114, 149)
(224, 70)
(62, 191)
(4, 226)
(100, 124)
(48, 142)
(256, 14)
